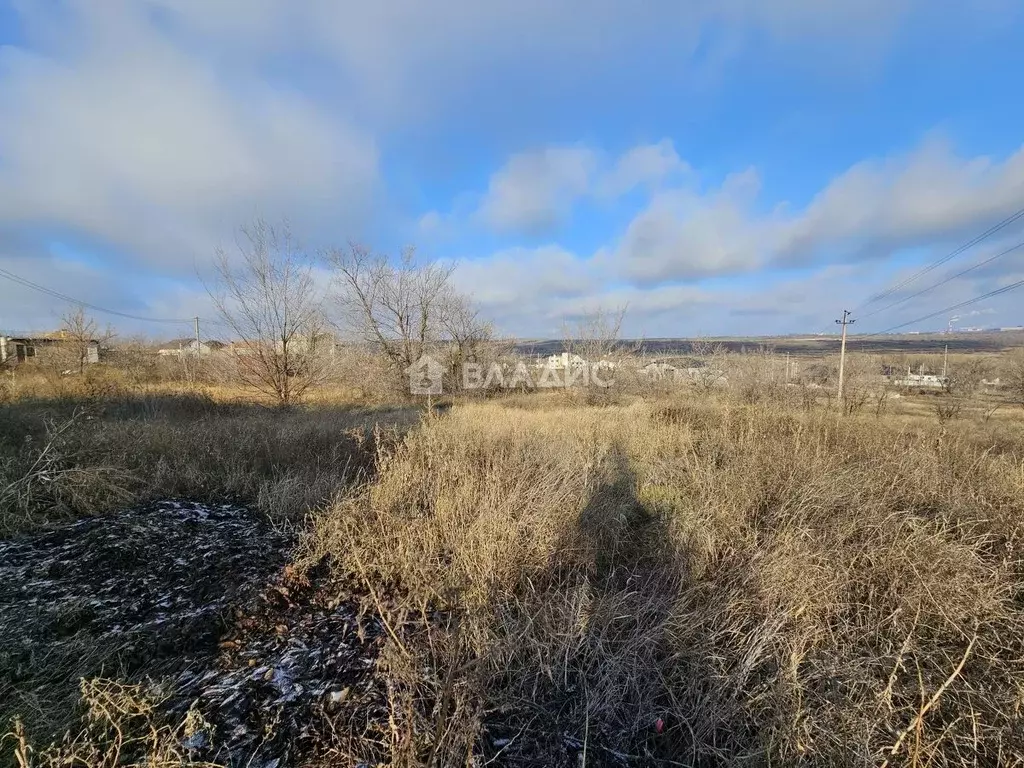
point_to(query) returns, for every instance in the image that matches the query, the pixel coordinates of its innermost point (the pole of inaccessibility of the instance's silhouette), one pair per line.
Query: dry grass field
(657, 577)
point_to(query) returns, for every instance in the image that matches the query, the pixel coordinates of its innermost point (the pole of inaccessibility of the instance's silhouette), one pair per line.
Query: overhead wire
(951, 308)
(945, 280)
(1013, 217)
(96, 308)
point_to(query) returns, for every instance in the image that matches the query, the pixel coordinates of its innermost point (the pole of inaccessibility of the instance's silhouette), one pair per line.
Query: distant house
(659, 370)
(567, 361)
(705, 375)
(190, 347)
(921, 380)
(301, 343)
(15, 350)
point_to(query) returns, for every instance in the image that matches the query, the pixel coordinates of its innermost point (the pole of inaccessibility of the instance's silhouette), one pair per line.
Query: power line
(846, 321)
(948, 257)
(932, 287)
(64, 297)
(975, 300)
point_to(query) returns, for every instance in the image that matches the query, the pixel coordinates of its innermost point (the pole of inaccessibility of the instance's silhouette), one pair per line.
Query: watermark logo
(425, 376)
(520, 376)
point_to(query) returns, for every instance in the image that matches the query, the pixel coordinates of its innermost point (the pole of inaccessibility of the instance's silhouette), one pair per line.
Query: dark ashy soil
(152, 583)
(197, 601)
(295, 666)
(199, 604)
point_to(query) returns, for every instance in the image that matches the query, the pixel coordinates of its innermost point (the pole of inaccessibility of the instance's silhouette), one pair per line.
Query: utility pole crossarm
(847, 320)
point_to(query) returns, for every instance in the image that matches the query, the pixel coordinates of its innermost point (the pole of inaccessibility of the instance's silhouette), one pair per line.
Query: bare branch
(405, 309)
(268, 298)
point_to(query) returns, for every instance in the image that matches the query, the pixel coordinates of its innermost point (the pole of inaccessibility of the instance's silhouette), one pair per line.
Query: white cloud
(512, 277)
(126, 137)
(431, 224)
(535, 190)
(684, 235)
(928, 198)
(157, 126)
(533, 293)
(645, 164)
(925, 197)
(409, 57)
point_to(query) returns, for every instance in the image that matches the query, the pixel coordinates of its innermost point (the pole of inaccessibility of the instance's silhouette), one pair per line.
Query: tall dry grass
(81, 455)
(777, 587)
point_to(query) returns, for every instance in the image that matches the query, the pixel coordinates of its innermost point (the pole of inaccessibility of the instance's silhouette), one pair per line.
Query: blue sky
(729, 167)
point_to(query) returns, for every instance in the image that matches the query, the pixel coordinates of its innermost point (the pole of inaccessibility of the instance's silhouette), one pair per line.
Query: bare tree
(468, 333)
(471, 339)
(596, 336)
(267, 296)
(406, 309)
(863, 384)
(80, 335)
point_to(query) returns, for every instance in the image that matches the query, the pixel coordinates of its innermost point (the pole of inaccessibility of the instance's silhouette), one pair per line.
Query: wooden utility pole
(842, 350)
(945, 360)
(197, 337)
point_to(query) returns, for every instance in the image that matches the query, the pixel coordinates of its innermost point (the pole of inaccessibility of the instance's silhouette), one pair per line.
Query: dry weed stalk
(122, 727)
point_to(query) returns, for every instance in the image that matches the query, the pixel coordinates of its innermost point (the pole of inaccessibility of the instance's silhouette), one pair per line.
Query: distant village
(38, 347)
(706, 371)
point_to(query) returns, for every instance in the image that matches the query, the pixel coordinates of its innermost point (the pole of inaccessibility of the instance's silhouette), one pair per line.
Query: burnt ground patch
(294, 680)
(196, 602)
(118, 596)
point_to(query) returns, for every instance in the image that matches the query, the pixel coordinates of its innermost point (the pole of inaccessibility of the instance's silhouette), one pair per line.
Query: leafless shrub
(596, 336)
(710, 374)
(136, 360)
(470, 338)
(965, 379)
(52, 477)
(66, 357)
(81, 334)
(757, 376)
(863, 384)
(959, 388)
(882, 395)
